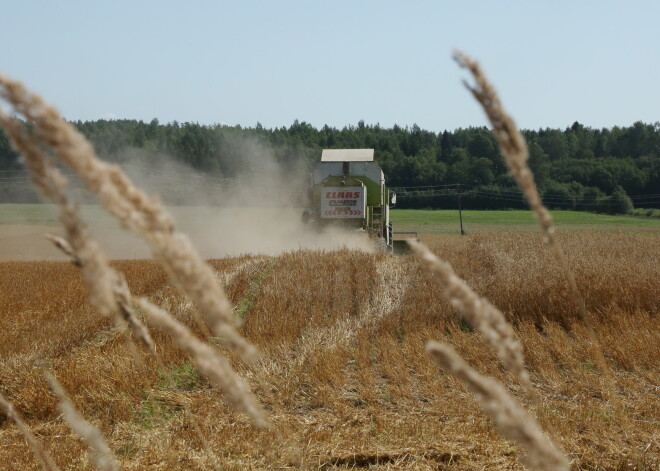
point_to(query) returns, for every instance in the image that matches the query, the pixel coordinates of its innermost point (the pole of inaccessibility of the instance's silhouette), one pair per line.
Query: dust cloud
(269, 232)
(256, 210)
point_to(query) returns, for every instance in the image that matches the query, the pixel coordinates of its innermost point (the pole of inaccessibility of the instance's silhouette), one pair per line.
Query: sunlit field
(343, 373)
(301, 348)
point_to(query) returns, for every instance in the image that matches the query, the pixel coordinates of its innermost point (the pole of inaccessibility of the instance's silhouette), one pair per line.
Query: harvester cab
(347, 189)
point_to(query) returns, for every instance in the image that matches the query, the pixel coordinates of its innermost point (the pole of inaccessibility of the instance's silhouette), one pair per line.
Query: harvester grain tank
(347, 189)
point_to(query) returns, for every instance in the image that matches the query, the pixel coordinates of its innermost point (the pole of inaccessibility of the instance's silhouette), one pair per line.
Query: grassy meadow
(433, 221)
(427, 220)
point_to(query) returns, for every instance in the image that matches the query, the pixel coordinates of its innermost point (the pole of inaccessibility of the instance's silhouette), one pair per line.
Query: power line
(158, 176)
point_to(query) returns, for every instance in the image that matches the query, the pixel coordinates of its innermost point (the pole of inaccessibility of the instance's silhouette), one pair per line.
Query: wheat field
(323, 359)
(344, 375)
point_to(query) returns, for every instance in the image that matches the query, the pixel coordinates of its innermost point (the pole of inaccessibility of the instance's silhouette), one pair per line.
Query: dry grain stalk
(516, 154)
(514, 148)
(511, 419)
(99, 451)
(136, 211)
(65, 248)
(108, 290)
(479, 313)
(208, 361)
(107, 287)
(40, 453)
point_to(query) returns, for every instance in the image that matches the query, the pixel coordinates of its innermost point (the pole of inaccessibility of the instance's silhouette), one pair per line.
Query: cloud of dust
(257, 211)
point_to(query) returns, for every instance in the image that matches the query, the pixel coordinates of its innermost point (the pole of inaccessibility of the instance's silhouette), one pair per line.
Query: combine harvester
(347, 190)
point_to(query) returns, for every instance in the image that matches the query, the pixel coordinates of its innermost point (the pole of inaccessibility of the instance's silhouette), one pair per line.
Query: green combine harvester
(347, 189)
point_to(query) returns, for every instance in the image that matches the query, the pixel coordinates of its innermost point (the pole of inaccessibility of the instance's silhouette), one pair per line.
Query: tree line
(608, 170)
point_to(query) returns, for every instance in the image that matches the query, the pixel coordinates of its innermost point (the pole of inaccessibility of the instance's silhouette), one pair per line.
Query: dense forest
(602, 170)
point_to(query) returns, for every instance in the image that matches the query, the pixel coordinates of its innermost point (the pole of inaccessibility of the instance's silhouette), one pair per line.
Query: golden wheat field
(330, 365)
(343, 373)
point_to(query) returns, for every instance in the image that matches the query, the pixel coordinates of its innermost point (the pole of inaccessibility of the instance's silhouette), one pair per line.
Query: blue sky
(337, 62)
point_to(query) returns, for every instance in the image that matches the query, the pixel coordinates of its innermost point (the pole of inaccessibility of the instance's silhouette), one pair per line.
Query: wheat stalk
(99, 451)
(40, 453)
(511, 419)
(143, 215)
(65, 248)
(516, 154)
(479, 313)
(107, 288)
(208, 361)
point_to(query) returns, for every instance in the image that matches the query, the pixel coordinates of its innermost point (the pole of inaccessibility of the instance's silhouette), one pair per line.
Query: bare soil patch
(26, 242)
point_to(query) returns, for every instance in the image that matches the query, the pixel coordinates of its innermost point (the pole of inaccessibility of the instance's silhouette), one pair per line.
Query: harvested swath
(135, 210)
(480, 314)
(209, 362)
(363, 460)
(107, 288)
(99, 451)
(40, 453)
(511, 419)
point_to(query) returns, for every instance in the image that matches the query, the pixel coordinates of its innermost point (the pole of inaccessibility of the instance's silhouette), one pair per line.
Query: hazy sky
(337, 62)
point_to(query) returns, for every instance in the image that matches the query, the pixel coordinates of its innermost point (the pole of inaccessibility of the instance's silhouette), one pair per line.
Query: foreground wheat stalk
(107, 287)
(479, 312)
(40, 453)
(209, 363)
(136, 212)
(510, 418)
(516, 154)
(99, 451)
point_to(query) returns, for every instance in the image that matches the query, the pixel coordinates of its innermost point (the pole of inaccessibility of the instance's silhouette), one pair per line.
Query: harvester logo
(342, 194)
(343, 202)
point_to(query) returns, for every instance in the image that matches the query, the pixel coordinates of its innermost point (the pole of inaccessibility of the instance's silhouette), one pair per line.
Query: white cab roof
(347, 155)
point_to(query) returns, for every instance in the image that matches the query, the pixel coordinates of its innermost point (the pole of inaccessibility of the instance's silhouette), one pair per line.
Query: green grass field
(429, 221)
(45, 214)
(441, 217)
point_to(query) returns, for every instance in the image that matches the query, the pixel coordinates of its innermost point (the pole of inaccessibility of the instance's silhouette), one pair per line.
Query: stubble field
(344, 374)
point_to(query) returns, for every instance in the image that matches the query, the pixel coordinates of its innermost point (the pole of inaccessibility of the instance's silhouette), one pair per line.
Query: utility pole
(460, 210)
